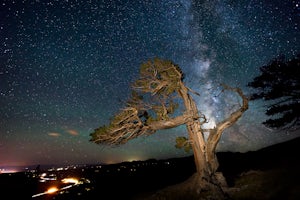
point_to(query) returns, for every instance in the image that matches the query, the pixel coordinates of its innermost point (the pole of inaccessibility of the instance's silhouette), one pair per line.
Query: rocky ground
(268, 174)
(272, 184)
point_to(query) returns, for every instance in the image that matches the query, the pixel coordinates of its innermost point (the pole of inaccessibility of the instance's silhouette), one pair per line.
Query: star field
(66, 68)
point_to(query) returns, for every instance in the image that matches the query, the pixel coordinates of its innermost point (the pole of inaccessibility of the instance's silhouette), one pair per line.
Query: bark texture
(207, 183)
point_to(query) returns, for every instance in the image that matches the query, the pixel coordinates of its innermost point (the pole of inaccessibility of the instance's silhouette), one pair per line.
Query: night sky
(66, 67)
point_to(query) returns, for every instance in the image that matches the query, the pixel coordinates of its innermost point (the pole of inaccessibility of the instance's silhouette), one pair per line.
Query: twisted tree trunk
(206, 183)
(205, 179)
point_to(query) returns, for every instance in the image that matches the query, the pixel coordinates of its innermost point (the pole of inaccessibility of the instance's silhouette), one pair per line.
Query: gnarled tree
(160, 100)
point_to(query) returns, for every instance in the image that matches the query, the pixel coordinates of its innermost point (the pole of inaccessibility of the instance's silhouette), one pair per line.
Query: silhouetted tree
(155, 104)
(279, 83)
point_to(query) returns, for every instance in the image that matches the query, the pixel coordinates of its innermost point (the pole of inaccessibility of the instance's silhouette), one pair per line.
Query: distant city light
(70, 180)
(5, 171)
(52, 190)
(47, 177)
(133, 159)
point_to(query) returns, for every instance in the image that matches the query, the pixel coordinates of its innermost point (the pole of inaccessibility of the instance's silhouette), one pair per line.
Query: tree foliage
(150, 107)
(183, 143)
(279, 84)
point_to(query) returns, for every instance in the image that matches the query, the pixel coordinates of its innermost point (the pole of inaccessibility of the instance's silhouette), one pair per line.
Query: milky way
(66, 68)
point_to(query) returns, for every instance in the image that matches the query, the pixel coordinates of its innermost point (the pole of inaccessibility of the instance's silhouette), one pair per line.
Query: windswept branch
(128, 125)
(125, 126)
(170, 123)
(216, 133)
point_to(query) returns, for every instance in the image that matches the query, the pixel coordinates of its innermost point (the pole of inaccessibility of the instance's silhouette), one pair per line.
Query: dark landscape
(88, 85)
(269, 173)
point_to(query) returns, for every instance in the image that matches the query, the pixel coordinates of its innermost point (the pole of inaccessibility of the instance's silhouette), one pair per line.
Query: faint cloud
(72, 132)
(53, 134)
